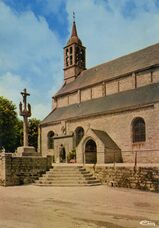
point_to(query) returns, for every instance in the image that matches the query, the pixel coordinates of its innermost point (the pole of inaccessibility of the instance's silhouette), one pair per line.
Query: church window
(50, 140)
(70, 50)
(67, 57)
(67, 52)
(79, 133)
(138, 130)
(70, 59)
(83, 58)
(77, 55)
(67, 61)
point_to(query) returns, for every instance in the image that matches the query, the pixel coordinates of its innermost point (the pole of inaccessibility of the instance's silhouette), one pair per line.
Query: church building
(105, 114)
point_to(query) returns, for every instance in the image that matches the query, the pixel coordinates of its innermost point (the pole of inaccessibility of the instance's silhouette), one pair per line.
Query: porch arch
(90, 151)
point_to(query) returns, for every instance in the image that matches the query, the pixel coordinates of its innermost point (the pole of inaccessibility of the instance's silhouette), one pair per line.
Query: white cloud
(108, 32)
(30, 52)
(11, 85)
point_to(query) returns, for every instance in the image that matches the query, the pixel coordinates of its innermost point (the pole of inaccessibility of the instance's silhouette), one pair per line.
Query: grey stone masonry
(22, 170)
(128, 176)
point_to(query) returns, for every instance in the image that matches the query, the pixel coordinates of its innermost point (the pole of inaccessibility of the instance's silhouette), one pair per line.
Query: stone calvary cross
(25, 112)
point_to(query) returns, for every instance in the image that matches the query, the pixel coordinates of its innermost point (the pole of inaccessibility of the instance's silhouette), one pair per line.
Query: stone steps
(66, 185)
(67, 176)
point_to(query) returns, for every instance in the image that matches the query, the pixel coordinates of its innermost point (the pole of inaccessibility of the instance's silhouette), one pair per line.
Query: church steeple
(74, 30)
(74, 56)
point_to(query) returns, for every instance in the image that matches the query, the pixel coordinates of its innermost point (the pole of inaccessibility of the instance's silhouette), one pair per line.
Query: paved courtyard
(61, 207)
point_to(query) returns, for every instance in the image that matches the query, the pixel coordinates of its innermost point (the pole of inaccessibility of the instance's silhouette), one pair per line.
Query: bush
(72, 156)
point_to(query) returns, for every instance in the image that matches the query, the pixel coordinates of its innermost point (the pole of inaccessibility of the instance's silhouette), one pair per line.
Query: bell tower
(74, 56)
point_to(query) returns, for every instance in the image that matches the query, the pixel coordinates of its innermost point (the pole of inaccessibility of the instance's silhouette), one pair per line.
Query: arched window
(50, 140)
(79, 132)
(138, 130)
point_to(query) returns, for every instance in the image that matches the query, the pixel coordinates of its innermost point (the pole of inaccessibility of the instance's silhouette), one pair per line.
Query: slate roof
(113, 103)
(106, 139)
(133, 62)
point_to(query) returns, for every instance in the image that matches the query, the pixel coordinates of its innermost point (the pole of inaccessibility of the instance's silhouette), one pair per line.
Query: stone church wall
(128, 82)
(128, 176)
(119, 127)
(62, 101)
(73, 98)
(22, 170)
(67, 142)
(155, 75)
(44, 137)
(97, 91)
(85, 94)
(112, 87)
(143, 78)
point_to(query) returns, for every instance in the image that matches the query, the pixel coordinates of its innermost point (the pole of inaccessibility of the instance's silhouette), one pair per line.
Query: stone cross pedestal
(25, 111)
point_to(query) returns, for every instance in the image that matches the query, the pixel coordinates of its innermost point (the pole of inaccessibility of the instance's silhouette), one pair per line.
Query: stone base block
(26, 151)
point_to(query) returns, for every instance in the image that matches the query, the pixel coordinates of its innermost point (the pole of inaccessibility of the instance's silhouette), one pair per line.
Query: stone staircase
(65, 175)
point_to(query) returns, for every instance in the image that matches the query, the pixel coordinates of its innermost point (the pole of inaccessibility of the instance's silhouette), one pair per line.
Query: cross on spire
(73, 16)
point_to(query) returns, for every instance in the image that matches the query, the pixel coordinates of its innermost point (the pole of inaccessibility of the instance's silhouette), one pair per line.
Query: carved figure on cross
(24, 111)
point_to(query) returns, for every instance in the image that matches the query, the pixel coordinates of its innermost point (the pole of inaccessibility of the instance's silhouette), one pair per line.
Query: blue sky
(34, 32)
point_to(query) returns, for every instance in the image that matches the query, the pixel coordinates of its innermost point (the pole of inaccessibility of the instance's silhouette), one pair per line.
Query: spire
(74, 30)
(74, 55)
(74, 37)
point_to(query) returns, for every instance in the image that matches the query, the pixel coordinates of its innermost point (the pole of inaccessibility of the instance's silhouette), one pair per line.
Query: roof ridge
(120, 57)
(118, 102)
(136, 61)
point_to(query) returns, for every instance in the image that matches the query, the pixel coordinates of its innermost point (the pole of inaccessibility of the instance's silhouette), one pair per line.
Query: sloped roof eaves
(112, 103)
(106, 139)
(140, 60)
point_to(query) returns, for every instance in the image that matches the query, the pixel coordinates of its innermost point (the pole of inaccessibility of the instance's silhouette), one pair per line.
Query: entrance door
(62, 154)
(90, 152)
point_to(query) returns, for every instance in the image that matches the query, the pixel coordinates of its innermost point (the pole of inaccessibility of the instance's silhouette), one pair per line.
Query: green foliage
(11, 128)
(19, 133)
(8, 122)
(71, 155)
(33, 132)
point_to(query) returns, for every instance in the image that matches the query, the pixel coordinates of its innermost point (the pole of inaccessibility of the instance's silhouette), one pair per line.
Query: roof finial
(73, 16)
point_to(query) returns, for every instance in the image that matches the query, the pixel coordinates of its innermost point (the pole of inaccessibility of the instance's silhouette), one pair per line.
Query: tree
(33, 132)
(8, 122)
(19, 133)
(11, 128)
